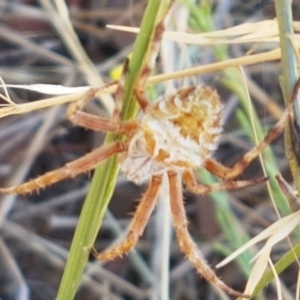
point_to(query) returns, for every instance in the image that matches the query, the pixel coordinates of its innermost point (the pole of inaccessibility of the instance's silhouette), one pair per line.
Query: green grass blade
(289, 78)
(289, 258)
(104, 179)
(201, 20)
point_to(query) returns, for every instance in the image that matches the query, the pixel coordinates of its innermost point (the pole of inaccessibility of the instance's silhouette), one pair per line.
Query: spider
(175, 136)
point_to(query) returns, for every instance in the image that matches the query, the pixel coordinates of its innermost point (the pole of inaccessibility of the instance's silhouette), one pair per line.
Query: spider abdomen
(178, 132)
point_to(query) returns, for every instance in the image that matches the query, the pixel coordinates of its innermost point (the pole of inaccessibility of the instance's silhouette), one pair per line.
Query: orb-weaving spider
(174, 137)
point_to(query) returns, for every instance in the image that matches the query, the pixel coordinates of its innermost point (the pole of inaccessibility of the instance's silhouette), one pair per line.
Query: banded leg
(200, 189)
(231, 173)
(72, 169)
(138, 223)
(185, 241)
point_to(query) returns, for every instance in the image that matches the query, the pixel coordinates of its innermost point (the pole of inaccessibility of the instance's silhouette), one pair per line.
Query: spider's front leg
(138, 223)
(72, 169)
(90, 160)
(185, 241)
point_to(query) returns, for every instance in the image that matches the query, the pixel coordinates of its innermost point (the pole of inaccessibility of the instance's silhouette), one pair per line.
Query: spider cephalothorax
(177, 133)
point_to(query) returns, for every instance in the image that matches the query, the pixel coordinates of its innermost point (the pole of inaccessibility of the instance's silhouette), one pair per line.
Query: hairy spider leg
(72, 169)
(230, 173)
(90, 160)
(138, 223)
(139, 88)
(193, 186)
(185, 241)
(120, 91)
(94, 122)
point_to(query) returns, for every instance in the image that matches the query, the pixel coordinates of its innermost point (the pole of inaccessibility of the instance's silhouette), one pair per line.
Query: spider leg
(72, 169)
(93, 122)
(120, 91)
(231, 173)
(195, 187)
(186, 243)
(138, 223)
(139, 89)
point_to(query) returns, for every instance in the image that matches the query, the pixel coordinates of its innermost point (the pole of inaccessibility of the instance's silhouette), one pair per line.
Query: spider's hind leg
(201, 189)
(120, 91)
(230, 173)
(94, 122)
(78, 117)
(140, 85)
(233, 172)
